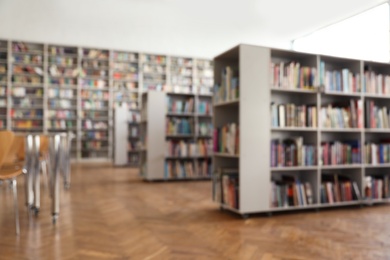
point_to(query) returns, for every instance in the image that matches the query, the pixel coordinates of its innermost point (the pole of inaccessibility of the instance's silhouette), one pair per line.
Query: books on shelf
(376, 186)
(226, 139)
(179, 126)
(179, 169)
(340, 152)
(291, 115)
(89, 124)
(376, 117)
(175, 105)
(188, 148)
(377, 153)
(61, 124)
(292, 152)
(342, 115)
(289, 191)
(204, 107)
(205, 129)
(336, 188)
(374, 83)
(342, 80)
(32, 59)
(228, 89)
(62, 114)
(291, 75)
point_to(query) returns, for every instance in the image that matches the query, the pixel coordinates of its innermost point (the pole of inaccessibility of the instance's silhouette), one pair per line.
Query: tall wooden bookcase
(364, 141)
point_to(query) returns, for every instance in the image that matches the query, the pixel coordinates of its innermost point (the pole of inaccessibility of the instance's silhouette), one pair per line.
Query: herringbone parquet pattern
(110, 214)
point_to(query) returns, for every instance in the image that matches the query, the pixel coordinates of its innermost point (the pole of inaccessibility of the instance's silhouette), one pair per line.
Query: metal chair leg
(44, 174)
(15, 193)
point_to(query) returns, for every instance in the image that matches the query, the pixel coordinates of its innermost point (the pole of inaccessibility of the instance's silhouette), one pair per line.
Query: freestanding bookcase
(337, 111)
(176, 133)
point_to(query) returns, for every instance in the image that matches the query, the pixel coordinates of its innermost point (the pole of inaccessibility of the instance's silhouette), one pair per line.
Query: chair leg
(15, 193)
(44, 174)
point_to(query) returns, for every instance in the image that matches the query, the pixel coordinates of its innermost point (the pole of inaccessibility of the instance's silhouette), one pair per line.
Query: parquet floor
(109, 213)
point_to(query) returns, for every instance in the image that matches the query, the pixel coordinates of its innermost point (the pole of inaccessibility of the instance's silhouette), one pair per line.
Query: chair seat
(10, 171)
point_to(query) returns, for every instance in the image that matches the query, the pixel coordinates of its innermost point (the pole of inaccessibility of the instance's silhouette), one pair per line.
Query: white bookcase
(353, 141)
(159, 160)
(53, 87)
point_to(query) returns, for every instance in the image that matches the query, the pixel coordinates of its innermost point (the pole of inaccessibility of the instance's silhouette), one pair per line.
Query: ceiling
(181, 27)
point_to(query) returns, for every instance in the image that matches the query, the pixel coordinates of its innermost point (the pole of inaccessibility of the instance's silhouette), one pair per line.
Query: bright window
(364, 36)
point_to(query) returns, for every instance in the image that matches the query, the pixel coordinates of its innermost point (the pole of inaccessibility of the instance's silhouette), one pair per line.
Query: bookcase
(52, 87)
(176, 136)
(299, 131)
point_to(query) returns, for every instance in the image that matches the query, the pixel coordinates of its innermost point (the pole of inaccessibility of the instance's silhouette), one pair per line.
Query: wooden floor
(109, 213)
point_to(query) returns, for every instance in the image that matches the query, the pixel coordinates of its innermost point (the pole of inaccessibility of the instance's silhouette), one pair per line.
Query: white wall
(154, 26)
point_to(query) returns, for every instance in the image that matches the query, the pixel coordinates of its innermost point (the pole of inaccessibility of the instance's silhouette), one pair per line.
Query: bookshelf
(53, 87)
(127, 127)
(27, 90)
(4, 83)
(327, 140)
(95, 96)
(183, 150)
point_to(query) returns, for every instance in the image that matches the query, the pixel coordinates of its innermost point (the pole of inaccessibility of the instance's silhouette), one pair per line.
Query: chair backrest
(6, 140)
(16, 152)
(44, 145)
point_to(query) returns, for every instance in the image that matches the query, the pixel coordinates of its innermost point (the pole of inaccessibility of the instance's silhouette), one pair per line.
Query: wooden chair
(8, 172)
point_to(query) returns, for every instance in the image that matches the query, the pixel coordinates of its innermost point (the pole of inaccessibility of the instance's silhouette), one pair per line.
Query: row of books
(61, 93)
(26, 103)
(291, 75)
(181, 126)
(205, 107)
(63, 81)
(125, 86)
(24, 79)
(125, 57)
(62, 114)
(62, 61)
(154, 59)
(288, 191)
(62, 103)
(376, 117)
(61, 124)
(378, 153)
(342, 81)
(21, 92)
(27, 124)
(188, 148)
(95, 135)
(95, 64)
(376, 187)
(226, 139)
(94, 144)
(125, 76)
(229, 86)
(180, 105)
(342, 115)
(26, 47)
(101, 95)
(27, 58)
(86, 104)
(95, 54)
(291, 115)
(205, 129)
(175, 169)
(59, 50)
(125, 67)
(337, 152)
(56, 71)
(89, 124)
(226, 187)
(376, 83)
(292, 152)
(36, 113)
(338, 188)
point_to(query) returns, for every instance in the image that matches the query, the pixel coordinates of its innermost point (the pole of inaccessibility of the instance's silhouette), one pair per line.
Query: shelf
(204, 136)
(96, 109)
(65, 55)
(126, 80)
(62, 118)
(62, 129)
(27, 64)
(288, 90)
(226, 155)
(34, 52)
(180, 94)
(27, 108)
(180, 136)
(96, 130)
(95, 89)
(301, 207)
(94, 99)
(27, 96)
(336, 93)
(299, 129)
(27, 85)
(375, 201)
(339, 204)
(62, 98)
(186, 157)
(227, 103)
(181, 114)
(342, 130)
(293, 168)
(204, 115)
(62, 108)
(95, 149)
(380, 96)
(205, 95)
(341, 166)
(373, 166)
(63, 86)
(377, 130)
(27, 118)
(85, 139)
